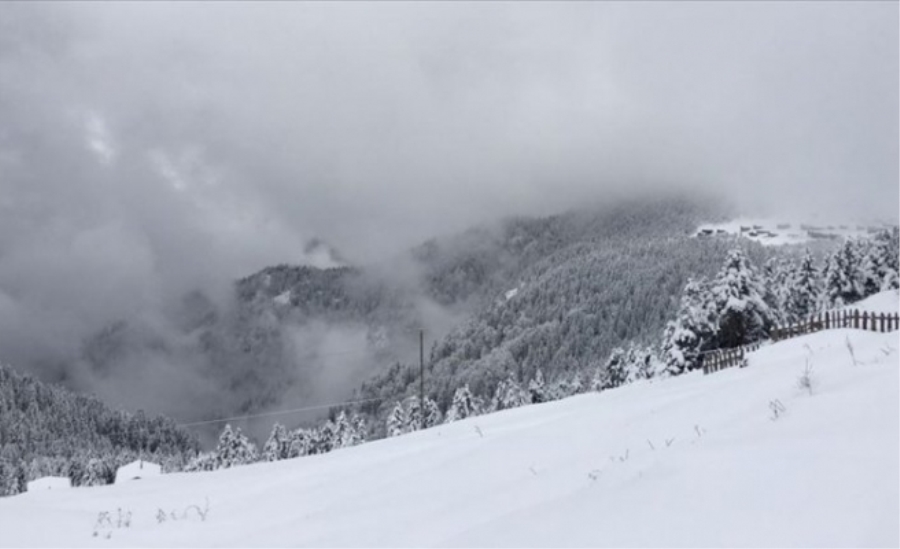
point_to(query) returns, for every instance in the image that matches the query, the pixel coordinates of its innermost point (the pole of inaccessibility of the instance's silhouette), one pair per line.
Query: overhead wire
(278, 413)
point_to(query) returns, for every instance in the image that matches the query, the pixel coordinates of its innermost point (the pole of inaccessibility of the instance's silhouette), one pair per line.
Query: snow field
(689, 461)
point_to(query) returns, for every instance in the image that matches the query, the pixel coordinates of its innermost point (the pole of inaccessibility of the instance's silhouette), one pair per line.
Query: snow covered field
(744, 457)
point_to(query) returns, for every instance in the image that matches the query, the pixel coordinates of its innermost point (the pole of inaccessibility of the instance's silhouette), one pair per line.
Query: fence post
(896, 321)
(856, 319)
(865, 320)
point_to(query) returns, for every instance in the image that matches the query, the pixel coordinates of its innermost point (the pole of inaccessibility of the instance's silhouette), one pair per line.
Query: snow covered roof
(138, 469)
(49, 483)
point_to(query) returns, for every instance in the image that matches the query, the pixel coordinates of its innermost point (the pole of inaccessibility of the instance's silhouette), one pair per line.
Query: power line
(282, 412)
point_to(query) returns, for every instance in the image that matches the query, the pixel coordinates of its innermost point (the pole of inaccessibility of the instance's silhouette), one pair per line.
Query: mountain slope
(688, 461)
(299, 334)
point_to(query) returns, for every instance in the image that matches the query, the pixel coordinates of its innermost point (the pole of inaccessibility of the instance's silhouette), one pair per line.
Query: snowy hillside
(882, 302)
(744, 457)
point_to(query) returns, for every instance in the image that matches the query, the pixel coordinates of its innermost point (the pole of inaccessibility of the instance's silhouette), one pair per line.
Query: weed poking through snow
(850, 348)
(805, 381)
(777, 409)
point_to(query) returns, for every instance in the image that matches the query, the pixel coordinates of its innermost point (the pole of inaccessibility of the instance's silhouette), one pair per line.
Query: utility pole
(421, 379)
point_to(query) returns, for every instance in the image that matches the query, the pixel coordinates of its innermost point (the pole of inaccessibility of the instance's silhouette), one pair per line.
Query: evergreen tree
(600, 380)
(878, 269)
(743, 316)
(616, 368)
(576, 384)
(463, 405)
(300, 443)
(692, 331)
(414, 414)
(536, 388)
(842, 276)
(97, 473)
(803, 292)
(205, 461)
(279, 444)
(359, 430)
(397, 421)
(509, 394)
(775, 286)
(432, 413)
(234, 449)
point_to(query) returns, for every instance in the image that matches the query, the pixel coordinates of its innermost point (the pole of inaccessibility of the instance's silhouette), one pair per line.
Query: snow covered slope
(743, 457)
(882, 302)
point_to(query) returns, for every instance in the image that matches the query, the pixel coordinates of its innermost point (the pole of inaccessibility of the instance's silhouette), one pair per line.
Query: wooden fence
(713, 361)
(873, 322)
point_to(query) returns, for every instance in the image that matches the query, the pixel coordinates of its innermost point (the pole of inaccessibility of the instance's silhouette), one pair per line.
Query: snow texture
(744, 457)
(882, 302)
(49, 483)
(137, 470)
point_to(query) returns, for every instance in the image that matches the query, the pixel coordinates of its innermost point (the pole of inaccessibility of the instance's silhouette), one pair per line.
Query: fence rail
(713, 361)
(873, 322)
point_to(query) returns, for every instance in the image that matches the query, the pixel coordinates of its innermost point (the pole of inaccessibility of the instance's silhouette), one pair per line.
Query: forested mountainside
(46, 430)
(289, 325)
(566, 310)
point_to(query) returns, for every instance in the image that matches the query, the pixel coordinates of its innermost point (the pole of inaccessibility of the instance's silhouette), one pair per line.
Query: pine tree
(616, 368)
(803, 292)
(360, 432)
(536, 388)
(462, 406)
(96, 473)
(205, 461)
(343, 431)
(743, 316)
(878, 268)
(300, 443)
(432, 413)
(600, 380)
(414, 414)
(692, 331)
(509, 394)
(279, 444)
(234, 449)
(775, 286)
(397, 421)
(842, 276)
(576, 385)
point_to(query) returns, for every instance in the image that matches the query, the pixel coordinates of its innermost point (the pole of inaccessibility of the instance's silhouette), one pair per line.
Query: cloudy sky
(146, 149)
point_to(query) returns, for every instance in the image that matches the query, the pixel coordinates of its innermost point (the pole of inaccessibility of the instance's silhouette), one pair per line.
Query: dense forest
(46, 430)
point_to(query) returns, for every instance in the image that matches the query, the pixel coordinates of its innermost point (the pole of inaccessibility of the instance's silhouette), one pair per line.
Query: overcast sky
(146, 149)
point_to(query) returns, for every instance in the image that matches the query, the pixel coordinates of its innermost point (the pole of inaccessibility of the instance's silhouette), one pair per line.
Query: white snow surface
(882, 302)
(137, 470)
(284, 298)
(692, 461)
(49, 483)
